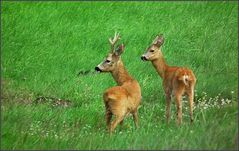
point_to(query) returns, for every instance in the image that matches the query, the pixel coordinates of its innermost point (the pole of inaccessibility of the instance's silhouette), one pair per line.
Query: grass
(46, 44)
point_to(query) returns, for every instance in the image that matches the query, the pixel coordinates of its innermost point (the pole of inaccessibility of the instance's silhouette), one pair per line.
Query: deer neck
(160, 65)
(120, 74)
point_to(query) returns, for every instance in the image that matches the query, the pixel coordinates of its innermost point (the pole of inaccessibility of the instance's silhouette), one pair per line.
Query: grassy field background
(46, 44)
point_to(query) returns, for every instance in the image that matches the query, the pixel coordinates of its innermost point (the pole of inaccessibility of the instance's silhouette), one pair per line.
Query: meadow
(46, 45)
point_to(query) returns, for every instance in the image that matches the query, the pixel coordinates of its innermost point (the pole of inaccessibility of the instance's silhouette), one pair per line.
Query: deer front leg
(136, 119)
(108, 116)
(167, 92)
(168, 107)
(122, 123)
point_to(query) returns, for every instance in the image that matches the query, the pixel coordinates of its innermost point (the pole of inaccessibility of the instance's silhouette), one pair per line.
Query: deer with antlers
(177, 81)
(125, 98)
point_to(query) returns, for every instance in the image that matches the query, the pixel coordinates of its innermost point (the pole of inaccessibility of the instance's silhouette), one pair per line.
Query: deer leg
(108, 116)
(115, 122)
(191, 107)
(136, 119)
(179, 107)
(122, 123)
(190, 96)
(168, 108)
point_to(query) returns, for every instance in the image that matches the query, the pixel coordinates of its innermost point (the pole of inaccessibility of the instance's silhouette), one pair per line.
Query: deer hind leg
(115, 122)
(190, 96)
(178, 97)
(191, 107)
(136, 119)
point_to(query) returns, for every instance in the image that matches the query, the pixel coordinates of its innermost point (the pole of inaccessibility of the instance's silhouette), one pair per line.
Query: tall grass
(46, 44)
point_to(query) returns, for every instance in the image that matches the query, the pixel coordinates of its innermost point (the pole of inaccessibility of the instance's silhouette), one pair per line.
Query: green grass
(46, 44)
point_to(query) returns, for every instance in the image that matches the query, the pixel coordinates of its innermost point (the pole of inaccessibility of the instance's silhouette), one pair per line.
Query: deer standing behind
(125, 98)
(177, 81)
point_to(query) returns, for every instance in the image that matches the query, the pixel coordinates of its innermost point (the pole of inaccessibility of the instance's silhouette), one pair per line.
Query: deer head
(111, 60)
(153, 52)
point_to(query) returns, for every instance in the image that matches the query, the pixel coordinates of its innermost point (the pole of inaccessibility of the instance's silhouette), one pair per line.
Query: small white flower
(228, 101)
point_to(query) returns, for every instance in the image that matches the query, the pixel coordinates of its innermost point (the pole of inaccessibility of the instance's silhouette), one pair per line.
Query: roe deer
(124, 98)
(177, 81)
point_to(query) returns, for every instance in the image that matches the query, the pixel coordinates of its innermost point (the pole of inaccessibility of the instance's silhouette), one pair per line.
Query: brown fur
(177, 81)
(123, 99)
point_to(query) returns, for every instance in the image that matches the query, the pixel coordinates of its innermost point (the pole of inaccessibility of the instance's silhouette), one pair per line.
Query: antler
(113, 41)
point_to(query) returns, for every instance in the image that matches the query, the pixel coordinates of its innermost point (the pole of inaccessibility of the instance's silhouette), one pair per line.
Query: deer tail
(185, 78)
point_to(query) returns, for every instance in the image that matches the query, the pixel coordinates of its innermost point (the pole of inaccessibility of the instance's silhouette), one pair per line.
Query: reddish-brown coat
(177, 81)
(124, 98)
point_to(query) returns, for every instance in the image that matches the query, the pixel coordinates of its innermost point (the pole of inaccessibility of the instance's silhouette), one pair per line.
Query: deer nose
(143, 58)
(97, 69)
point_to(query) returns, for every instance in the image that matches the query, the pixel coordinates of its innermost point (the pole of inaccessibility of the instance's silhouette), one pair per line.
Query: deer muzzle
(144, 58)
(98, 69)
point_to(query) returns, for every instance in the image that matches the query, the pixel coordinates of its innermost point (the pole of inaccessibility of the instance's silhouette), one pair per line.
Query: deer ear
(119, 50)
(159, 40)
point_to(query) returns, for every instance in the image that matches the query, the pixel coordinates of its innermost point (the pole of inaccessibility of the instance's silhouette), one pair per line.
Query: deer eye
(151, 50)
(107, 61)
